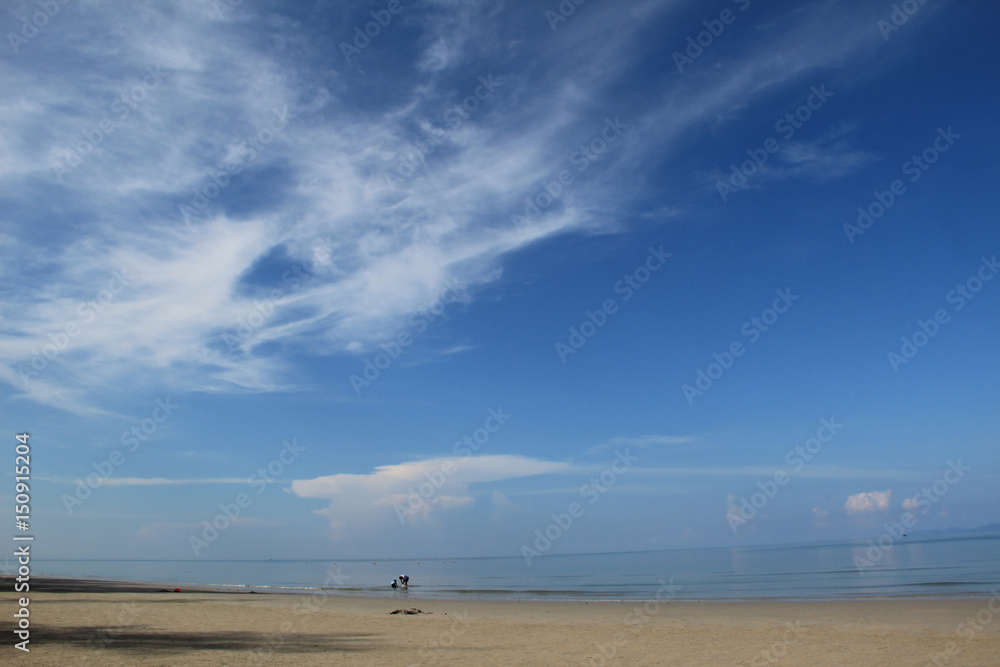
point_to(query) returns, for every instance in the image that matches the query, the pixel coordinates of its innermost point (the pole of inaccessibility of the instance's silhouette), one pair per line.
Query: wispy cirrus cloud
(154, 481)
(641, 442)
(388, 252)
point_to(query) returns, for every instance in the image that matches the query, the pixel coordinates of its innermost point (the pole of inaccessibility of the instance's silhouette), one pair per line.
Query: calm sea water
(964, 566)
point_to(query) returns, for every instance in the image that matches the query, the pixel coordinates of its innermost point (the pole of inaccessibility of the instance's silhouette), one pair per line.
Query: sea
(966, 566)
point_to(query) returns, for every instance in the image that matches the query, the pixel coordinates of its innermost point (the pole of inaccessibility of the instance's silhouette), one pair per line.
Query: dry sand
(85, 623)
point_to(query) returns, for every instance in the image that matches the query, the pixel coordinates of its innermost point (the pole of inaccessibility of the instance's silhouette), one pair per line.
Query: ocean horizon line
(916, 538)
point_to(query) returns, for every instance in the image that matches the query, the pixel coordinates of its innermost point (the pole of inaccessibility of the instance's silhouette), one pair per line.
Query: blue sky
(608, 268)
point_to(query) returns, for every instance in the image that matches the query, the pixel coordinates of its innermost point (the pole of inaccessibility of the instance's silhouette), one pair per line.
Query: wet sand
(108, 623)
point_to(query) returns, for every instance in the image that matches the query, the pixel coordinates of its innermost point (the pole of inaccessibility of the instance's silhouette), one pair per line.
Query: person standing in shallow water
(404, 581)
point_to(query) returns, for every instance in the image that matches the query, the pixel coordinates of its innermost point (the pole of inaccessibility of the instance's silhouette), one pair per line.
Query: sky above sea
(353, 279)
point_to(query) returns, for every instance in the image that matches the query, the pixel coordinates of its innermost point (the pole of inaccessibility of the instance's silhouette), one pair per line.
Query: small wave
(951, 583)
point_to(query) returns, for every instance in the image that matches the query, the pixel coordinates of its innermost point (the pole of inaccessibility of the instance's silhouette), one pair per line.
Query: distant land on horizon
(993, 527)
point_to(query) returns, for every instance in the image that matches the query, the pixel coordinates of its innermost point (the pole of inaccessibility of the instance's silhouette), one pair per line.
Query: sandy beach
(94, 623)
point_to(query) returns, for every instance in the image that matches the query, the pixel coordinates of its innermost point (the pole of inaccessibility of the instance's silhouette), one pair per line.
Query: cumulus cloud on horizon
(415, 489)
(868, 502)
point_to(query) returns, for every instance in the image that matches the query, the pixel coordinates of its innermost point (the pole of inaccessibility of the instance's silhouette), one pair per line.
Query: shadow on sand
(139, 639)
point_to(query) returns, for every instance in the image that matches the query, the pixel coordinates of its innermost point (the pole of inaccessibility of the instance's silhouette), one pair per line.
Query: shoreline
(97, 622)
(47, 584)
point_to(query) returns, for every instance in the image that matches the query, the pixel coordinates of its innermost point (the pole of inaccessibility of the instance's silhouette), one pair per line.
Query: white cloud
(868, 502)
(817, 161)
(421, 487)
(641, 442)
(910, 504)
(154, 481)
(814, 472)
(400, 476)
(387, 253)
